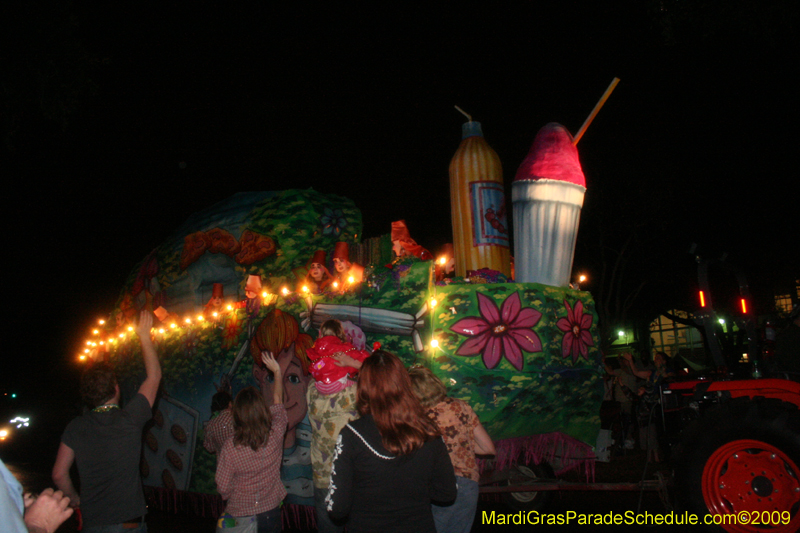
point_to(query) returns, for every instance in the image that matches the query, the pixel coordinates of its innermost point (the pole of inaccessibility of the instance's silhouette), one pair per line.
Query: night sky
(121, 119)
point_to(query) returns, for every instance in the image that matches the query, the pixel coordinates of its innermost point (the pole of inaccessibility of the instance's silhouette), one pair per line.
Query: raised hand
(269, 361)
(277, 388)
(145, 324)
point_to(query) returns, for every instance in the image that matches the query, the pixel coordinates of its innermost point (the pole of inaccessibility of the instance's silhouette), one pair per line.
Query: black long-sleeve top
(379, 491)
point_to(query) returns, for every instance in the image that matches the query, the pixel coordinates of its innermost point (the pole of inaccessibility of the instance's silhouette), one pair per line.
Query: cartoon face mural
(295, 384)
(279, 334)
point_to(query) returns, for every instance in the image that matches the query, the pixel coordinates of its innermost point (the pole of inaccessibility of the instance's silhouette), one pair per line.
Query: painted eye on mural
(293, 378)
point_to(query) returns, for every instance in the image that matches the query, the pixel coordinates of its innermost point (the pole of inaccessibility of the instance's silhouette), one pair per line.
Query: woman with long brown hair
(248, 472)
(391, 463)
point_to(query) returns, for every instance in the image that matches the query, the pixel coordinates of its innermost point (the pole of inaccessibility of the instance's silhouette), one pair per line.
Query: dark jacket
(379, 491)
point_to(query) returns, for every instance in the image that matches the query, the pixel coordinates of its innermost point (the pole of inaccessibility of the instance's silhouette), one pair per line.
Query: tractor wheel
(742, 458)
(524, 475)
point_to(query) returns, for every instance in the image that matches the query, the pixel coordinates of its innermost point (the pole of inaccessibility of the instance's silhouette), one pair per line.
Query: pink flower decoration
(499, 333)
(577, 337)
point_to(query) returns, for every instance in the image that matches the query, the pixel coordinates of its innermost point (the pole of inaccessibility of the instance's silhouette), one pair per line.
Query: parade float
(263, 270)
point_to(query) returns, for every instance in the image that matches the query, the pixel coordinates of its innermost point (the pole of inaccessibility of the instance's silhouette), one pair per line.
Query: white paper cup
(546, 217)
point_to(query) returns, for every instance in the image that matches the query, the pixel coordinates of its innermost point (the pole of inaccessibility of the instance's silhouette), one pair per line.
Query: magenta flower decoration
(499, 333)
(577, 337)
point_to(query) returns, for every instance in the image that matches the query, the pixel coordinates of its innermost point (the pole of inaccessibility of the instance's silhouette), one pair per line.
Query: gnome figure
(349, 274)
(252, 287)
(214, 304)
(318, 277)
(403, 244)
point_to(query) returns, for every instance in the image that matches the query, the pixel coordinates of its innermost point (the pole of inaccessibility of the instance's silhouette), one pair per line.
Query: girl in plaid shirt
(248, 471)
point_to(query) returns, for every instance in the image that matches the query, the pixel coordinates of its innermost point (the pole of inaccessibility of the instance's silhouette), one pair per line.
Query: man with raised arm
(106, 444)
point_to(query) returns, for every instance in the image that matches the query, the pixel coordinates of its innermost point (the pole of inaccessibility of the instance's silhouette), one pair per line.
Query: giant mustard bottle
(478, 205)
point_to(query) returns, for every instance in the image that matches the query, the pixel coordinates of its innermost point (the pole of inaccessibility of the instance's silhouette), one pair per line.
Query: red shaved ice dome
(552, 156)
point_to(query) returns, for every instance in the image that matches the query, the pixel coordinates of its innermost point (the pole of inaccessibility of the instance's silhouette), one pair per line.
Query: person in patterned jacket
(464, 437)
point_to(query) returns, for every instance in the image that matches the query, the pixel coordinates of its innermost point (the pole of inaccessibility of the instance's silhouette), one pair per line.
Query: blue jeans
(458, 518)
(270, 521)
(115, 528)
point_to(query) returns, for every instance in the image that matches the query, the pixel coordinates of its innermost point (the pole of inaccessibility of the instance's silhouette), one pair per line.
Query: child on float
(331, 374)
